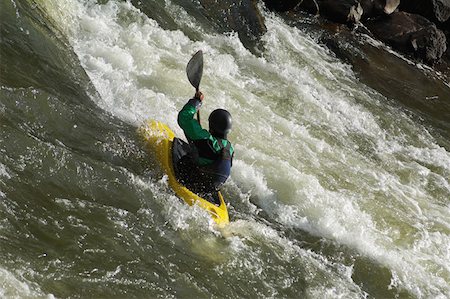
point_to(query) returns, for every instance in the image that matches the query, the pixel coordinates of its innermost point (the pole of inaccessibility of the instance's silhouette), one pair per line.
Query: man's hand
(199, 96)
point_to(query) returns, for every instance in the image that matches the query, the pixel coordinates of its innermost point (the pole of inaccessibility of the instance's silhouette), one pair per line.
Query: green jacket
(199, 136)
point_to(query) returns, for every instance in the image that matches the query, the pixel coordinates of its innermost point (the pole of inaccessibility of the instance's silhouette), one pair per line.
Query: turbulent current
(336, 190)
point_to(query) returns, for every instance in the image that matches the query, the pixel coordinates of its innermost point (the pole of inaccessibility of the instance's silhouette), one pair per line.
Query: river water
(336, 189)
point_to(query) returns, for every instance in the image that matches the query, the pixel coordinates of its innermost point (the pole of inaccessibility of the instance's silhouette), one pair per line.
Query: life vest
(221, 168)
(201, 179)
(219, 171)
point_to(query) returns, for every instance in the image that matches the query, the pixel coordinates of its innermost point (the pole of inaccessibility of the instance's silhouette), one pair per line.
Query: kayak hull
(159, 140)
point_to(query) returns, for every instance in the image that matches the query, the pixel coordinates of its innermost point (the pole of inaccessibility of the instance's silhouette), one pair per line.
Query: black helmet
(220, 123)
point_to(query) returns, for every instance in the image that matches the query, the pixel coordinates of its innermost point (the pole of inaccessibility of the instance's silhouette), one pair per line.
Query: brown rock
(281, 5)
(310, 6)
(343, 11)
(434, 10)
(374, 8)
(241, 16)
(410, 33)
(389, 6)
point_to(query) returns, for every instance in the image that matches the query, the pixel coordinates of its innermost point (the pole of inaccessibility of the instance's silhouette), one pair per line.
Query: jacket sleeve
(192, 129)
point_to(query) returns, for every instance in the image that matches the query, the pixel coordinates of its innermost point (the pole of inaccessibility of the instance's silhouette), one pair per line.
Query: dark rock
(368, 8)
(343, 48)
(411, 34)
(443, 66)
(388, 6)
(374, 8)
(310, 6)
(156, 11)
(429, 43)
(241, 16)
(281, 5)
(434, 10)
(343, 11)
(447, 36)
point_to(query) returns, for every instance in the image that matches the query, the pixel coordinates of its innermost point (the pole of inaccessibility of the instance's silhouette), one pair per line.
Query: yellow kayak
(159, 139)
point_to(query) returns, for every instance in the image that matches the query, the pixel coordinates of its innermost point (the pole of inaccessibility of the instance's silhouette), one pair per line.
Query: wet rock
(374, 8)
(410, 33)
(343, 11)
(309, 6)
(389, 6)
(429, 44)
(280, 5)
(155, 11)
(434, 10)
(241, 16)
(343, 46)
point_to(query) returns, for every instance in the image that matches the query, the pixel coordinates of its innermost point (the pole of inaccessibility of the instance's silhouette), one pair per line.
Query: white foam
(339, 281)
(4, 172)
(315, 149)
(12, 287)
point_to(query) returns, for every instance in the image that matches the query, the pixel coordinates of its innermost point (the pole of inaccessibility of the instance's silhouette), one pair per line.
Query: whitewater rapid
(316, 150)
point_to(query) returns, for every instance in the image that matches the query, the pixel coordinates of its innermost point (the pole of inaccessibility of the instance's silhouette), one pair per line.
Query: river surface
(337, 190)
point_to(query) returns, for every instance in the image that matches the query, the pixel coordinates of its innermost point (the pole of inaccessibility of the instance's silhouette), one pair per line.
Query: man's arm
(192, 129)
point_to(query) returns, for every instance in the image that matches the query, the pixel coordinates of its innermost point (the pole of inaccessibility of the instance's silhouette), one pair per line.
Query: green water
(336, 190)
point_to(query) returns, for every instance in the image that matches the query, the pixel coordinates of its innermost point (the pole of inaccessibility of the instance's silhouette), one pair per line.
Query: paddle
(194, 71)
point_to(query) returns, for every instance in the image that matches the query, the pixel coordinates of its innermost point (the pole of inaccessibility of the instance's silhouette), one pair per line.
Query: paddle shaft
(198, 111)
(194, 71)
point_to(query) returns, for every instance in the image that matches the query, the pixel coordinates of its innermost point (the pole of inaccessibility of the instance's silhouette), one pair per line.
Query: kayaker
(209, 162)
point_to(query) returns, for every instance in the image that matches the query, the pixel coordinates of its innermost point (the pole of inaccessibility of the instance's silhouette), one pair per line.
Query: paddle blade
(194, 69)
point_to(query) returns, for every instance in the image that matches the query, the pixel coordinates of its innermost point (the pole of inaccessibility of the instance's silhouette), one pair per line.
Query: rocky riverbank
(417, 28)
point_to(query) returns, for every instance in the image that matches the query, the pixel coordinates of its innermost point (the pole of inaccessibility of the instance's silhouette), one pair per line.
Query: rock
(310, 6)
(434, 10)
(429, 43)
(154, 11)
(241, 16)
(342, 45)
(374, 8)
(368, 8)
(410, 33)
(388, 6)
(343, 11)
(281, 5)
